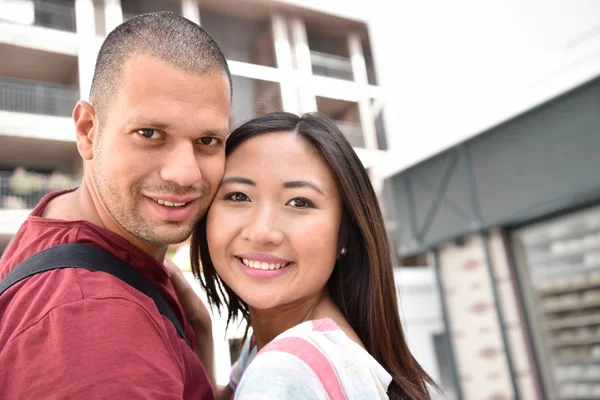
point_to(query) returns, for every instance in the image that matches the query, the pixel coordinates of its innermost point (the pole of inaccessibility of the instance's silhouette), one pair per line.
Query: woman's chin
(260, 304)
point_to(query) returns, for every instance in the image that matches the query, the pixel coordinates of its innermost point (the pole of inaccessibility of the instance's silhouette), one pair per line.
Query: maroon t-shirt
(76, 334)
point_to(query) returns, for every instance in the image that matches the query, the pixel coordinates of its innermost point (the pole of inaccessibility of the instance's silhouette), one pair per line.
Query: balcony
(35, 109)
(331, 66)
(54, 15)
(46, 14)
(253, 98)
(34, 97)
(22, 190)
(352, 132)
(10, 222)
(346, 116)
(131, 8)
(43, 26)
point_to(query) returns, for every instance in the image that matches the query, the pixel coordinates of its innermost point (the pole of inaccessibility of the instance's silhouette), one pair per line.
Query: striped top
(313, 360)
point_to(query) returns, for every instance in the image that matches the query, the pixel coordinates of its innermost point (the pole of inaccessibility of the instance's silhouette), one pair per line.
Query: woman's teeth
(263, 265)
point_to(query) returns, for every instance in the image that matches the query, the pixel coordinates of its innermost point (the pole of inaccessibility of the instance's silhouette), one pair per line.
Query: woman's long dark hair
(362, 283)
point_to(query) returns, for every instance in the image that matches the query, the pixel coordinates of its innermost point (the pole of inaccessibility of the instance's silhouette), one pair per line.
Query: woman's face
(273, 227)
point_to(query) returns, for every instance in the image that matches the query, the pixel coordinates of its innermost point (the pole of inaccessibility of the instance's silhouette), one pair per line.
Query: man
(152, 141)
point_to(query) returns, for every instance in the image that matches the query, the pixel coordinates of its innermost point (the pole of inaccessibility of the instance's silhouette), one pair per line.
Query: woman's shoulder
(343, 353)
(325, 359)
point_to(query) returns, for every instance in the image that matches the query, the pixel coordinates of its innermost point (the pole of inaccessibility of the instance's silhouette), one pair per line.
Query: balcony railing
(53, 15)
(37, 97)
(41, 13)
(331, 66)
(353, 133)
(23, 190)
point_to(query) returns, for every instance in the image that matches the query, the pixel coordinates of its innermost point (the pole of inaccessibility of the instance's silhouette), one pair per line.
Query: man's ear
(86, 128)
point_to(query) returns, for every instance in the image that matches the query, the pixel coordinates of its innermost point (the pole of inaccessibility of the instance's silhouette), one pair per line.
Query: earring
(343, 251)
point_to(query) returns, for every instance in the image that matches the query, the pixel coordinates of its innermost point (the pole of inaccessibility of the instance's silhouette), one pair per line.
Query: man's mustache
(176, 189)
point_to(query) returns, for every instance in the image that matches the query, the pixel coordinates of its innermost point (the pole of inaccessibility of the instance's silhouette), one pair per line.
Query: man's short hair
(165, 35)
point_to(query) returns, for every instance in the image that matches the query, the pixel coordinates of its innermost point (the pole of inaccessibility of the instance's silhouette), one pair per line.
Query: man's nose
(182, 166)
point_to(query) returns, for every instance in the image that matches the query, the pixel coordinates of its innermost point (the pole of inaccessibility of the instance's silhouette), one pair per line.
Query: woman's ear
(342, 247)
(86, 127)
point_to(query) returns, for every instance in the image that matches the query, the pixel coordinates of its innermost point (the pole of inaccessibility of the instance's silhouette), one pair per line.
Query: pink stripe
(324, 325)
(312, 357)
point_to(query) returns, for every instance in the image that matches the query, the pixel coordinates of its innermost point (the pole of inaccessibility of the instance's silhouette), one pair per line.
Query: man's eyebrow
(222, 134)
(152, 123)
(302, 184)
(149, 122)
(238, 179)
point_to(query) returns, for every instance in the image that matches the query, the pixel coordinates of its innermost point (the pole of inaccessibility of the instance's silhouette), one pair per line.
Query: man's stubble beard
(128, 215)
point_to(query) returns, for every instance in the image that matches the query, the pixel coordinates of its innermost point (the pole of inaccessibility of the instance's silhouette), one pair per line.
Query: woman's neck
(268, 324)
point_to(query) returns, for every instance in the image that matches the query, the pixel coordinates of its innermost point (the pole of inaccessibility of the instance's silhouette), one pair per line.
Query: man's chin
(167, 235)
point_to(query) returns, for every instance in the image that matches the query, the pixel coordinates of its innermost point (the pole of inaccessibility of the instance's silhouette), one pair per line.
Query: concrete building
(491, 110)
(477, 120)
(494, 186)
(282, 57)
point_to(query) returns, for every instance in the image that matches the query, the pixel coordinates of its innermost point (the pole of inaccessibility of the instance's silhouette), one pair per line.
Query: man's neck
(84, 204)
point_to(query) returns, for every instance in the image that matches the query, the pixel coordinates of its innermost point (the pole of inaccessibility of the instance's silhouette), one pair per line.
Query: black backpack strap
(78, 255)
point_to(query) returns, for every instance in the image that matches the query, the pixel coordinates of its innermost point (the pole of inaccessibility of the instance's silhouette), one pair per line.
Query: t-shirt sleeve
(92, 349)
(279, 375)
(247, 354)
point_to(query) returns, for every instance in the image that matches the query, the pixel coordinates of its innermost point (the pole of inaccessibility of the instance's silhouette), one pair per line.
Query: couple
(293, 242)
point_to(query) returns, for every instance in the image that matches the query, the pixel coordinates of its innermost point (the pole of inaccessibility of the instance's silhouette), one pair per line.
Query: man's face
(160, 155)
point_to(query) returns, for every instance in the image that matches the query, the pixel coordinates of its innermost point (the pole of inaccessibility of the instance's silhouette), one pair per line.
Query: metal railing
(54, 15)
(37, 97)
(47, 14)
(331, 66)
(24, 190)
(353, 133)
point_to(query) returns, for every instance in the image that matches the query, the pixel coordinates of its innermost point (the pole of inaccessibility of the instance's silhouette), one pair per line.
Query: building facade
(504, 206)
(281, 56)
(478, 122)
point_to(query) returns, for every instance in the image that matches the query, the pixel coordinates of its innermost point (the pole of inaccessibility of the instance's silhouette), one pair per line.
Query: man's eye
(208, 141)
(237, 197)
(300, 203)
(149, 133)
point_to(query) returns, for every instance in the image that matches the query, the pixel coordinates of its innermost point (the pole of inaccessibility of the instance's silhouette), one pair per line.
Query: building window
(330, 56)
(245, 40)
(253, 98)
(346, 116)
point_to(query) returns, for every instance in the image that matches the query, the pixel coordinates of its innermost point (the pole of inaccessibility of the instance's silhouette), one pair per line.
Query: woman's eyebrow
(238, 179)
(302, 184)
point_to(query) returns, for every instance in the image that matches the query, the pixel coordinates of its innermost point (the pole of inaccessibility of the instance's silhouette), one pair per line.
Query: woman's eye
(300, 203)
(237, 197)
(208, 141)
(149, 133)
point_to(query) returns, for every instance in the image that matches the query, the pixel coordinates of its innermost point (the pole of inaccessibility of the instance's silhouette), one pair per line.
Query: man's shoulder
(78, 290)
(84, 339)
(63, 286)
(35, 235)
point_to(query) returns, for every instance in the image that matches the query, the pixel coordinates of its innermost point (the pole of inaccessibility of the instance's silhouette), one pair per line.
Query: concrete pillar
(87, 44)
(113, 14)
(359, 71)
(308, 101)
(190, 10)
(283, 55)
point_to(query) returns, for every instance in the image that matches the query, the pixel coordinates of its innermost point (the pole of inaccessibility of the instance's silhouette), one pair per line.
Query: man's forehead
(140, 63)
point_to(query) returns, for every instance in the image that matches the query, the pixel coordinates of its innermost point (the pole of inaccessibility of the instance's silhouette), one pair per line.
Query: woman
(295, 244)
